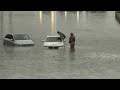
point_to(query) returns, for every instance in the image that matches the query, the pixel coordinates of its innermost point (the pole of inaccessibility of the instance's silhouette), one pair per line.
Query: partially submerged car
(53, 42)
(18, 40)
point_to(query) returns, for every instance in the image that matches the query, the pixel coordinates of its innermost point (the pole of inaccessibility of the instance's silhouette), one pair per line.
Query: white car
(53, 42)
(18, 40)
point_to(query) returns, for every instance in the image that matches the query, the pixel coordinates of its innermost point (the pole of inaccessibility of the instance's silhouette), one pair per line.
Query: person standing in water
(72, 41)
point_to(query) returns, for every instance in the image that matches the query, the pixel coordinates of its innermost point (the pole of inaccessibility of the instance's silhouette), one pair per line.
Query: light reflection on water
(78, 16)
(52, 21)
(40, 14)
(97, 41)
(65, 16)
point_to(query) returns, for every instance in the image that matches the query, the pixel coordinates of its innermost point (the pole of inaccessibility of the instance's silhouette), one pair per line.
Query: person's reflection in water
(9, 52)
(72, 54)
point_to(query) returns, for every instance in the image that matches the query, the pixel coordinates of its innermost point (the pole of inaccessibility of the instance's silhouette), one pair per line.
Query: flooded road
(96, 54)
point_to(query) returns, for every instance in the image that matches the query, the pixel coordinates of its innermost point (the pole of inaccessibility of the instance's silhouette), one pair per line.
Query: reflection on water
(1, 25)
(78, 14)
(84, 19)
(56, 21)
(11, 21)
(7, 22)
(9, 52)
(40, 14)
(65, 16)
(72, 50)
(72, 54)
(53, 21)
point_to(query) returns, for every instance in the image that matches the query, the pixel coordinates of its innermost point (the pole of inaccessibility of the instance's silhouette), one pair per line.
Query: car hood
(23, 42)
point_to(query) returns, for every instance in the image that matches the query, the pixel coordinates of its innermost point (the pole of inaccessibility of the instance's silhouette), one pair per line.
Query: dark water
(96, 54)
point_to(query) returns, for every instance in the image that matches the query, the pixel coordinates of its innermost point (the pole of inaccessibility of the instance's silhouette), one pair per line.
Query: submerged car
(53, 42)
(18, 40)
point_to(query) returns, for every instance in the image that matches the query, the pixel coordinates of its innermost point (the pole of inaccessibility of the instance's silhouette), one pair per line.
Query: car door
(9, 40)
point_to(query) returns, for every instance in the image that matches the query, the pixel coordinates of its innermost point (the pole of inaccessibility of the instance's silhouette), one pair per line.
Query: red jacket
(72, 40)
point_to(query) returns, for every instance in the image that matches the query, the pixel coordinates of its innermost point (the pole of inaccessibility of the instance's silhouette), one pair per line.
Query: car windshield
(21, 37)
(53, 39)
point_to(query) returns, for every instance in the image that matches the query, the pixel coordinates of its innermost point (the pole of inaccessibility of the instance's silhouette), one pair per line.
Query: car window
(9, 37)
(21, 37)
(53, 39)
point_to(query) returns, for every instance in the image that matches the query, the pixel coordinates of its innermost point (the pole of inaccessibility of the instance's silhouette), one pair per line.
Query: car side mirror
(42, 40)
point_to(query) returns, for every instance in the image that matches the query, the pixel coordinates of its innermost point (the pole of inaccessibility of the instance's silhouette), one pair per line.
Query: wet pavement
(96, 54)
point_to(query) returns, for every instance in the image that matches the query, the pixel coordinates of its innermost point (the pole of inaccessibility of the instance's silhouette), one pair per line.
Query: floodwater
(96, 54)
